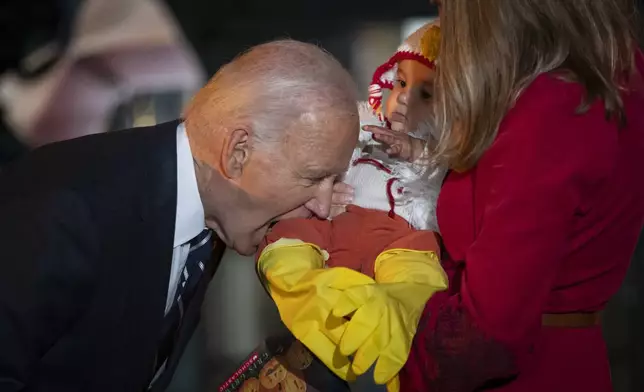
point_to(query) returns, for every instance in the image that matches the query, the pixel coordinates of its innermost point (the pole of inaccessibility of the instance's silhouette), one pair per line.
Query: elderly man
(105, 239)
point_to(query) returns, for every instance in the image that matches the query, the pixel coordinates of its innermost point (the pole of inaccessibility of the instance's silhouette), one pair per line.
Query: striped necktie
(200, 251)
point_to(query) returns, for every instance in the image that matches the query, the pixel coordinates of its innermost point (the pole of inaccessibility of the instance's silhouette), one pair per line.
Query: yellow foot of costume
(385, 315)
(393, 385)
(305, 292)
(339, 313)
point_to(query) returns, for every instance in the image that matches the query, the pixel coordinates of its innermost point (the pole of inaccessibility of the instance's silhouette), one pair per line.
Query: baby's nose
(403, 98)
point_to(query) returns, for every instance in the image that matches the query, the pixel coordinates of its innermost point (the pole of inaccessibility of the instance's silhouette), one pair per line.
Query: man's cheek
(300, 212)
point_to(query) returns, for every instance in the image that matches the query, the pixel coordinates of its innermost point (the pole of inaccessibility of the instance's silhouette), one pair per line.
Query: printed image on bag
(282, 364)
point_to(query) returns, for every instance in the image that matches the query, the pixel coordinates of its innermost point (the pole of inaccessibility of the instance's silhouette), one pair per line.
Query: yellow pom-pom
(430, 43)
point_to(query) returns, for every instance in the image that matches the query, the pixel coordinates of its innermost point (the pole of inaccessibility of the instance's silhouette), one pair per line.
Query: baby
(388, 231)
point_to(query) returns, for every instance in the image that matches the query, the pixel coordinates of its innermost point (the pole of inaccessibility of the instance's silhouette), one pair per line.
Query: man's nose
(320, 208)
(320, 205)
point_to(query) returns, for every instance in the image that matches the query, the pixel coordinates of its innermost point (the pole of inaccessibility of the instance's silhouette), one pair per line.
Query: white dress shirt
(190, 220)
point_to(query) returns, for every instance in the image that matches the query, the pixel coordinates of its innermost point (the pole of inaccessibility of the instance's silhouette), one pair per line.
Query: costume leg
(315, 231)
(359, 235)
(422, 240)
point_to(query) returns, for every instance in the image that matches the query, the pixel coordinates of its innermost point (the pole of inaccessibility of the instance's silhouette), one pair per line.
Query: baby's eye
(425, 95)
(401, 83)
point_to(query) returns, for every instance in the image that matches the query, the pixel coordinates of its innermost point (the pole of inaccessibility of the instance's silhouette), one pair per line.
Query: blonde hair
(492, 49)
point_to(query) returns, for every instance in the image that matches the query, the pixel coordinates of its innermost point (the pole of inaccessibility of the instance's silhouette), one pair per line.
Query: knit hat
(422, 46)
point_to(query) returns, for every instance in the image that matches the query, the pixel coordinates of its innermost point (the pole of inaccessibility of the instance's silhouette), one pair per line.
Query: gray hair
(274, 89)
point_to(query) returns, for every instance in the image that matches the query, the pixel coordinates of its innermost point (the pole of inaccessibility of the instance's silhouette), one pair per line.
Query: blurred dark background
(47, 73)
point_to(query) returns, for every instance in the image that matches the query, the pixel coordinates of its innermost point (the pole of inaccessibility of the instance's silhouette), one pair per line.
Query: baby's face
(417, 81)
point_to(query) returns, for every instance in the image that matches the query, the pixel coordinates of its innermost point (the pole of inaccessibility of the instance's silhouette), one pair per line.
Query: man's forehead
(323, 159)
(321, 169)
(326, 150)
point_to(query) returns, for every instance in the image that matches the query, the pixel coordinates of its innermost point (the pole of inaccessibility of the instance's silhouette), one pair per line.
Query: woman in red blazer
(542, 103)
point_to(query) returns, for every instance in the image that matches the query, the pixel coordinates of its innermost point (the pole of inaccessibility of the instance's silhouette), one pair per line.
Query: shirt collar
(190, 218)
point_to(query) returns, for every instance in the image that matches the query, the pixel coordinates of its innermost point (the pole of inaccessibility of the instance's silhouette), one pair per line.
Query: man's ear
(235, 153)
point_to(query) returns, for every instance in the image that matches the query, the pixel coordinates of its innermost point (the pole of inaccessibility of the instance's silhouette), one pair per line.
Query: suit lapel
(191, 317)
(158, 209)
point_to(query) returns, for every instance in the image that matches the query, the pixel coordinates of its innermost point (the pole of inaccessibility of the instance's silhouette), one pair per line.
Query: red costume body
(356, 237)
(547, 222)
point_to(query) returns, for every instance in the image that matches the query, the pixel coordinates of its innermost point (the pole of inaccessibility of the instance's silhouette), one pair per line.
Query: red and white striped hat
(422, 46)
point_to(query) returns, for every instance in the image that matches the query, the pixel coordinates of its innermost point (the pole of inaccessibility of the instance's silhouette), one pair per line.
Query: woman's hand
(342, 195)
(399, 144)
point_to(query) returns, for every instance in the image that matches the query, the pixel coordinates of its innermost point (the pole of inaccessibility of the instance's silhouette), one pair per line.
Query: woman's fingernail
(348, 198)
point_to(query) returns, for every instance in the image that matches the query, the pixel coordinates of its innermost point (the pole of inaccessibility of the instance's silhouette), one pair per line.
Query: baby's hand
(399, 144)
(342, 195)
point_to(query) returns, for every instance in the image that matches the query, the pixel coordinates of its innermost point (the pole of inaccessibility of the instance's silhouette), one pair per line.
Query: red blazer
(546, 222)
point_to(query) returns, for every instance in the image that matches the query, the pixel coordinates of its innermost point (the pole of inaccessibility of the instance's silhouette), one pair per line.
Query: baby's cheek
(390, 103)
(419, 111)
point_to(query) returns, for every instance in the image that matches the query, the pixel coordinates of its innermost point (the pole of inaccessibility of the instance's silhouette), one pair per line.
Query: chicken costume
(386, 236)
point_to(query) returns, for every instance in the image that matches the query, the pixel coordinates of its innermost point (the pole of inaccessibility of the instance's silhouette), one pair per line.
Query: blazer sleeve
(533, 180)
(47, 255)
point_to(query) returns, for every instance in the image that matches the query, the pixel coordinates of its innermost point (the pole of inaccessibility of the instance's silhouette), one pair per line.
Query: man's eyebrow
(318, 172)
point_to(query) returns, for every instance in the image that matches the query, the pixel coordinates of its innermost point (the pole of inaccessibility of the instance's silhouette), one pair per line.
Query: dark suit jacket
(86, 238)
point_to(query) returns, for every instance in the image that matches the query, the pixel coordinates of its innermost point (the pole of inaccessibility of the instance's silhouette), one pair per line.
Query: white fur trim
(367, 117)
(405, 47)
(419, 186)
(415, 191)
(390, 76)
(425, 130)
